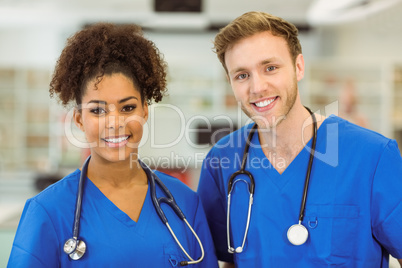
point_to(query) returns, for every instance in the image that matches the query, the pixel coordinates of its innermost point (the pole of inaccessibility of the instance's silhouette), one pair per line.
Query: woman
(112, 73)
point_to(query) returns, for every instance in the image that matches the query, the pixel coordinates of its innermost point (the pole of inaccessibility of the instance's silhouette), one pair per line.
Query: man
(342, 198)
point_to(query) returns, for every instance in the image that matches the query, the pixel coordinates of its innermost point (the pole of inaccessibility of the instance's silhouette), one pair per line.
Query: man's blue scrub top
(354, 203)
(112, 238)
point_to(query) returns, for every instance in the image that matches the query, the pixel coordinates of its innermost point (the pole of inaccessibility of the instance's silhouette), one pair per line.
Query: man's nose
(258, 83)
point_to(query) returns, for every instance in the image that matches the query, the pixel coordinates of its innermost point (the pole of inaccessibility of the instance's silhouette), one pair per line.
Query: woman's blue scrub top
(112, 238)
(354, 203)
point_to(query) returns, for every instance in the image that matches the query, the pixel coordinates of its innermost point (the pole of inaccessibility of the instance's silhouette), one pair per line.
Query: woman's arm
(227, 265)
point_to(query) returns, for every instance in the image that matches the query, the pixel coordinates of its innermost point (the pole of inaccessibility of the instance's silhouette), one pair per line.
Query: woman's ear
(145, 111)
(78, 119)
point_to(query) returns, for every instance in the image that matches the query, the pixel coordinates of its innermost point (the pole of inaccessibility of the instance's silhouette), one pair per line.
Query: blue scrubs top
(353, 210)
(112, 238)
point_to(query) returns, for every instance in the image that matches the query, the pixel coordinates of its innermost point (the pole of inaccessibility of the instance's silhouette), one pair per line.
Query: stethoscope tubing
(79, 247)
(170, 201)
(251, 189)
(242, 170)
(78, 205)
(243, 164)
(309, 167)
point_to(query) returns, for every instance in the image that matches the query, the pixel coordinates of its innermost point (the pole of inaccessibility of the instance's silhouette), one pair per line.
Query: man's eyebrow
(240, 69)
(263, 62)
(269, 60)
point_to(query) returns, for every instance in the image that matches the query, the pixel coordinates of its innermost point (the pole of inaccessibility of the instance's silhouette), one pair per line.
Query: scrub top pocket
(173, 255)
(332, 230)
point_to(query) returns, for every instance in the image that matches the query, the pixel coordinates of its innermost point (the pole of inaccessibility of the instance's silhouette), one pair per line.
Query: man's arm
(400, 262)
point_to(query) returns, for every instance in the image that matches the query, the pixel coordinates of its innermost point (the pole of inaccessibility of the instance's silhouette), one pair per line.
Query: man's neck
(284, 142)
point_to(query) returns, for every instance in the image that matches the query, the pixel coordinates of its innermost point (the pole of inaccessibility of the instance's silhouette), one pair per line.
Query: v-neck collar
(295, 168)
(105, 204)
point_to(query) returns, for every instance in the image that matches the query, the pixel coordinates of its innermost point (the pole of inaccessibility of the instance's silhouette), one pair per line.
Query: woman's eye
(98, 110)
(128, 108)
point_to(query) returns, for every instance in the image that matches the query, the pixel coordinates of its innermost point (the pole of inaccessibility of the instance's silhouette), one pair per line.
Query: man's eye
(98, 110)
(271, 68)
(242, 76)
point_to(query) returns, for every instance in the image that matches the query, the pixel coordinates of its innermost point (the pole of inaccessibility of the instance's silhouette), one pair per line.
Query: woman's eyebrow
(105, 102)
(128, 98)
(98, 101)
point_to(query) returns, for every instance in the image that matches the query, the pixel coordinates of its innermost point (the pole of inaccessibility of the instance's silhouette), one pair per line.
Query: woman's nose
(114, 119)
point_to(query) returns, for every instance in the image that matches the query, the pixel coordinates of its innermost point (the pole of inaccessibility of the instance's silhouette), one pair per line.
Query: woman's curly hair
(104, 49)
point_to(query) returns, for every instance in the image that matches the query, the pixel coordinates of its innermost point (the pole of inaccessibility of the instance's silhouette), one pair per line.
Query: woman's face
(112, 117)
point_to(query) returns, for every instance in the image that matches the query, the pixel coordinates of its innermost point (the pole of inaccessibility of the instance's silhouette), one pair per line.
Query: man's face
(264, 77)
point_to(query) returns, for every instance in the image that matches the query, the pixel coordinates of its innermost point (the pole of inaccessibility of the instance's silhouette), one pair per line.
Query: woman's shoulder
(59, 192)
(179, 189)
(173, 183)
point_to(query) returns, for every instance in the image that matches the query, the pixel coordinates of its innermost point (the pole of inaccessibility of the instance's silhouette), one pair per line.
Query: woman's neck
(121, 174)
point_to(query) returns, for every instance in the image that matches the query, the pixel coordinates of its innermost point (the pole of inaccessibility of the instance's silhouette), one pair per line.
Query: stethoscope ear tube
(251, 188)
(250, 203)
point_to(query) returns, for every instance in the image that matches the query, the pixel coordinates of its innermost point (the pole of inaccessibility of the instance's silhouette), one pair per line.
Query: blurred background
(353, 58)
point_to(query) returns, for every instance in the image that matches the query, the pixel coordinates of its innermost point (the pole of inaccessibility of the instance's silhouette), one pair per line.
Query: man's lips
(264, 102)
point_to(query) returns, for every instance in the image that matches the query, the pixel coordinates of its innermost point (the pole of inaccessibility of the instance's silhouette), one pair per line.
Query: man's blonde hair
(251, 23)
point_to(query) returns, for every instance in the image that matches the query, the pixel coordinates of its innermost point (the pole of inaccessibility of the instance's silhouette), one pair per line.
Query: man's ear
(299, 64)
(78, 119)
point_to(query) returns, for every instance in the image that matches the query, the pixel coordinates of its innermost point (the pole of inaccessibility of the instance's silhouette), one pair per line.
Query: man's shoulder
(353, 134)
(235, 139)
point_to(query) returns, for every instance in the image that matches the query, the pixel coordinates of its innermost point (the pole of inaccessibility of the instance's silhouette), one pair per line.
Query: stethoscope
(76, 248)
(297, 234)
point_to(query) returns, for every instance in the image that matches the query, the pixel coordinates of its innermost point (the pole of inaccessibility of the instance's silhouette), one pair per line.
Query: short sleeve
(386, 207)
(35, 243)
(214, 204)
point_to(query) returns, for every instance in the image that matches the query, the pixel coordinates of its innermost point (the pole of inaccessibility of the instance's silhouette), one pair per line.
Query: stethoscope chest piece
(297, 234)
(75, 248)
